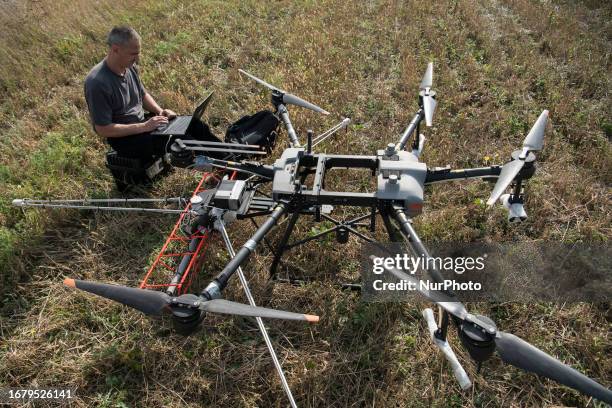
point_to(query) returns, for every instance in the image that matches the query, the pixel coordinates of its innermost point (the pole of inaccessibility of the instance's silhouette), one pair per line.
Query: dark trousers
(144, 145)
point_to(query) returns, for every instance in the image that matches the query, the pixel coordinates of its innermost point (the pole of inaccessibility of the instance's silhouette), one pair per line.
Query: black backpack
(258, 129)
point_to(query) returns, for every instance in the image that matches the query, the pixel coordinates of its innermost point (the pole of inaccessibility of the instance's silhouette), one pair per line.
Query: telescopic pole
(230, 249)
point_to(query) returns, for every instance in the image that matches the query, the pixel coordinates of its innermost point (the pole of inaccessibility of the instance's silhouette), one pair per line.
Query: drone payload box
(230, 194)
(401, 178)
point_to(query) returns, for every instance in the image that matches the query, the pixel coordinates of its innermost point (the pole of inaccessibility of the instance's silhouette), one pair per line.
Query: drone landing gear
(438, 336)
(341, 228)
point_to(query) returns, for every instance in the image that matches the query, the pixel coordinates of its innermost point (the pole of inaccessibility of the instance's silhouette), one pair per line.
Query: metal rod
(327, 133)
(86, 201)
(103, 208)
(206, 143)
(391, 230)
(309, 141)
(305, 240)
(220, 166)
(359, 234)
(361, 217)
(417, 245)
(415, 144)
(321, 138)
(218, 149)
(284, 114)
(462, 174)
(260, 324)
(180, 270)
(253, 214)
(516, 192)
(411, 127)
(283, 242)
(328, 218)
(372, 220)
(443, 326)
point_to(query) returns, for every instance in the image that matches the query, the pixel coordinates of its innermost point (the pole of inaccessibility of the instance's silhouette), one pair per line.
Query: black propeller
(510, 348)
(517, 352)
(154, 303)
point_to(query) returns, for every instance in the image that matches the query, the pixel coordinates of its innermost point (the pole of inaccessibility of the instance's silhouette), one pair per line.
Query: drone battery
(230, 194)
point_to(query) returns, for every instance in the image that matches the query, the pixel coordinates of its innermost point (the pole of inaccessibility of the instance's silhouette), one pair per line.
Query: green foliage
(171, 46)
(59, 154)
(607, 129)
(7, 242)
(516, 125)
(69, 46)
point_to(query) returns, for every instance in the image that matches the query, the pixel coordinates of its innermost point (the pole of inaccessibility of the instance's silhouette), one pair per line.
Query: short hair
(121, 35)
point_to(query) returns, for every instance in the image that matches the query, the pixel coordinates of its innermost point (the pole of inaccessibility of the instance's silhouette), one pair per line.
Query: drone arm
(404, 223)
(284, 114)
(266, 172)
(221, 280)
(206, 163)
(446, 174)
(409, 130)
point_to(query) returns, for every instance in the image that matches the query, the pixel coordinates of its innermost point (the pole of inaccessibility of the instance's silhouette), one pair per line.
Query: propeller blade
(296, 100)
(517, 352)
(223, 306)
(448, 303)
(535, 137)
(149, 302)
(429, 106)
(287, 97)
(260, 81)
(508, 173)
(427, 81)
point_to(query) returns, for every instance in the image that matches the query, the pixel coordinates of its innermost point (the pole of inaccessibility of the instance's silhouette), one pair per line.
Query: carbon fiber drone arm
(439, 175)
(214, 289)
(282, 111)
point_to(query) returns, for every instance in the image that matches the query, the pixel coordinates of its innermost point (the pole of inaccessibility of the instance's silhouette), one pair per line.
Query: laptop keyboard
(179, 124)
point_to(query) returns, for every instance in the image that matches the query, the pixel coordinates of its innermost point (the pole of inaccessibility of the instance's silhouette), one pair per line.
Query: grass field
(498, 64)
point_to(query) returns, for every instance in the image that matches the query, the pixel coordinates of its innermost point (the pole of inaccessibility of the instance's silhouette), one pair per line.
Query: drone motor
(185, 321)
(476, 340)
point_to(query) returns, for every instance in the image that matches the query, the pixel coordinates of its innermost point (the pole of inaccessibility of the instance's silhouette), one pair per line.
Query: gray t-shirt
(113, 98)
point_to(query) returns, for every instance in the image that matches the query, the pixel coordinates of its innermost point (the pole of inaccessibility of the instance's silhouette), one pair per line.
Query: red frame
(183, 242)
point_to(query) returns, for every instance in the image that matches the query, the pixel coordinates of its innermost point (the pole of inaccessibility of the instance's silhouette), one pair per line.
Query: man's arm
(119, 130)
(149, 104)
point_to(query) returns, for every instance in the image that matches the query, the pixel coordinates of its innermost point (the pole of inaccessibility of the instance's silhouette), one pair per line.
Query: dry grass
(498, 64)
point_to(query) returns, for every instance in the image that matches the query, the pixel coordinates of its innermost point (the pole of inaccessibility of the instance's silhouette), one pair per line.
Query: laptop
(179, 125)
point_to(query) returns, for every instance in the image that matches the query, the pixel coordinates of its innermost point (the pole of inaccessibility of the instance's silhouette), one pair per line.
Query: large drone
(298, 188)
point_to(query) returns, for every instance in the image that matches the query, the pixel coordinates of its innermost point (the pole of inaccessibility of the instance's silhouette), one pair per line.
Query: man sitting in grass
(116, 100)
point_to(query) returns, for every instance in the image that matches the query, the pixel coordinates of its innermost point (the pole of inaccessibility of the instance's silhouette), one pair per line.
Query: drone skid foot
(444, 346)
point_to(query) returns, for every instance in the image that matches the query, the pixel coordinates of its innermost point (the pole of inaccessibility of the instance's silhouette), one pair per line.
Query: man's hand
(155, 122)
(168, 113)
